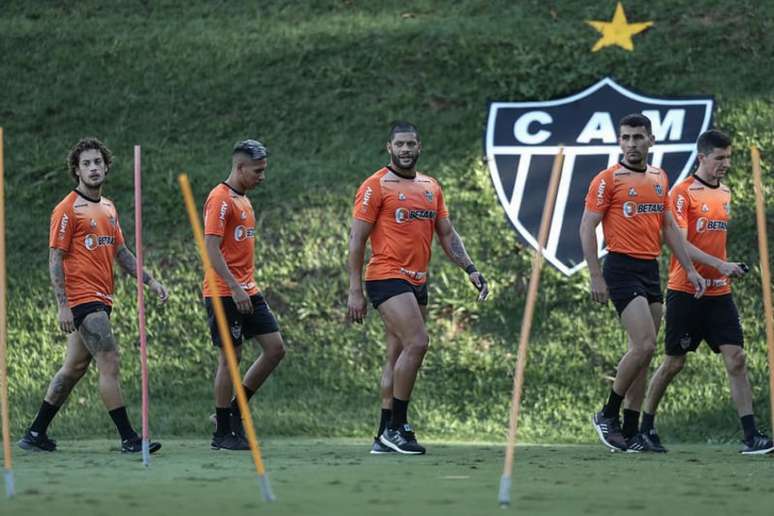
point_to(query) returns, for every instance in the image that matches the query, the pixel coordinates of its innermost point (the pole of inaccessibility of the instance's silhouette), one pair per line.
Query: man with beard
(631, 199)
(702, 208)
(399, 209)
(85, 238)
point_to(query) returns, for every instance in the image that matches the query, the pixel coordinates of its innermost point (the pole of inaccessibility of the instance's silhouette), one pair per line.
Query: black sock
(384, 421)
(399, 413)
(222, 423)
(648, 422)
(748, 426)
(613, 406)
(121, 419)
(631, 421)
(43, 419)
(235, 406)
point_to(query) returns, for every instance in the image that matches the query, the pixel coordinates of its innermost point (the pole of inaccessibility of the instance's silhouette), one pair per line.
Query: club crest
(522, 138)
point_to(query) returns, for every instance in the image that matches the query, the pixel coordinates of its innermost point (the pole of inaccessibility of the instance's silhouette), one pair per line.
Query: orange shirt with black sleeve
(229, 215)
(633, 205)
(403, 213)
(703, 211)
(88, 232)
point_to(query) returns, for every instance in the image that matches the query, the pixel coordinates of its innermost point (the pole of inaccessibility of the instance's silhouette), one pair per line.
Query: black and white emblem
(522, 139)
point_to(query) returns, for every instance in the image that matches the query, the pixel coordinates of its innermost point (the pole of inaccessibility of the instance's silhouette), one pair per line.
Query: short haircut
(710, 140)
(401, 126)
(253, 149)
(88, 143)
(636, 120)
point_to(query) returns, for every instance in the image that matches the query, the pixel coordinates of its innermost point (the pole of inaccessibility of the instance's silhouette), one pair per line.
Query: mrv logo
(522, 139)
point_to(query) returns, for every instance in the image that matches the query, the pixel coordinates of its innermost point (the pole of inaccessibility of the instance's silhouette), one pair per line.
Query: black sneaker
(380, 449)
(235, 421)
(758, 444)
(653, 441)
(639, 443)
(609, 432)
(229, 442)
(402, 440)
(35, 441)
(134, 445)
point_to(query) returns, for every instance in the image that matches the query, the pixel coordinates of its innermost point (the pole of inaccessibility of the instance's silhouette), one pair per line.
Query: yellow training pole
(225, 337)
(526, 325)
(763, 247)
(8, 464)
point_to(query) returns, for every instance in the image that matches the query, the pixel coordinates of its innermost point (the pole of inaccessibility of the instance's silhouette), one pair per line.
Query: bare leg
(98, 338)
(273, 352)
(223, 386)
(636, 393)
(661, 379)
(402, 317)
(736, 367)
(638, 322)
(393, 352)
(76, 363)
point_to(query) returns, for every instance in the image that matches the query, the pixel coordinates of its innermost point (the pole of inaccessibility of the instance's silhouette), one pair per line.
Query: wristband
(470, 269)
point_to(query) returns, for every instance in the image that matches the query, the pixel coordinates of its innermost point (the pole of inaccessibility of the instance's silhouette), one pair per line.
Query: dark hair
(636, 120)
(401, 126)
(88, 143)
(711, 140)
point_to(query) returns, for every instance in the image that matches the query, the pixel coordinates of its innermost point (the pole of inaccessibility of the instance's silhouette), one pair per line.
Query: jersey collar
(86, 196)
(697, 178)
(401, 175)
(641, 171)
(232, 188)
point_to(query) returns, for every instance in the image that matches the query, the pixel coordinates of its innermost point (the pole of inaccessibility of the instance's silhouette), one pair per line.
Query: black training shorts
(81, 311)
(713, 319)
(242, 326)
(628, 277)
(380, 291)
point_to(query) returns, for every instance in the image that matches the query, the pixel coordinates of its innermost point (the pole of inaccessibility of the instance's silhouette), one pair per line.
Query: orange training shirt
(404, 213)
(704, 211)
(88, 232)
(229, 214)
(633, 205)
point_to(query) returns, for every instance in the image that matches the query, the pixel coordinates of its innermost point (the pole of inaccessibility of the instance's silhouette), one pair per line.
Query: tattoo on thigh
(96, 333)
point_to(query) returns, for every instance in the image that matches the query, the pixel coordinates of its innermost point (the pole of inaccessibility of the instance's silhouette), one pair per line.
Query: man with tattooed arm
(85, 238)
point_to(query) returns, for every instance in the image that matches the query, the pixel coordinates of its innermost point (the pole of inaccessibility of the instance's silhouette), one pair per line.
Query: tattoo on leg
(96, 333)
(60, 388)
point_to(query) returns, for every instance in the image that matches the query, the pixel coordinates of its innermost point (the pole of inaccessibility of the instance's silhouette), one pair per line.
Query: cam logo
(522, 139)
(632, 192)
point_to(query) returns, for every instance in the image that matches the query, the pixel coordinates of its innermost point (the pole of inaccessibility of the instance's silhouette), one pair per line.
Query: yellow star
(618, 31)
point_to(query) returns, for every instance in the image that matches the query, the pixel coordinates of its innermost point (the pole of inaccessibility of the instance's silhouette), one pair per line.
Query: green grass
(320, 81)
(338, 477)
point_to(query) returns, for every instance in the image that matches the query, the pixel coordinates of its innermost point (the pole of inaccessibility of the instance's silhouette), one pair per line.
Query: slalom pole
(7, 462)
(225, 337)
(141, 302)
(526, 324)
(763, 248)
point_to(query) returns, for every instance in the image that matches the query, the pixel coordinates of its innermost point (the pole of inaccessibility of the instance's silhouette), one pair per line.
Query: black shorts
(242, 326)
(81, 311)
(713, 319)
(628, 277)
(379, 291)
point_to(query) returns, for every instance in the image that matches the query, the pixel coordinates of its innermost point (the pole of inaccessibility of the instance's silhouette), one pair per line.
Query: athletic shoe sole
(758, 452)
(396, 448)
(602, 437)
(30, 447)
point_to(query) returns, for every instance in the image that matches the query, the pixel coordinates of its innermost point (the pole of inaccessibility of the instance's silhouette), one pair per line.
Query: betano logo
(704, 224)
(92, 241)
(403, 215)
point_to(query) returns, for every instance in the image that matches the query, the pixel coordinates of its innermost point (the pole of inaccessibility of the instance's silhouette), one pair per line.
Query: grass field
(338, 476)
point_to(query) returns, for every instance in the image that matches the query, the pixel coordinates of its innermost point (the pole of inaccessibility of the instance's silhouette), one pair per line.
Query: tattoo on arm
(56, 271)
(457, 251)
(128, 263)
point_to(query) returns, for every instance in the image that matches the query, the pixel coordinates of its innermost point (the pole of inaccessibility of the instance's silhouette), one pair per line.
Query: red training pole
(141, 302)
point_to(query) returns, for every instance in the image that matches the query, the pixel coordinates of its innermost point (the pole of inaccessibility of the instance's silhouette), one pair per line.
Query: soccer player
(85, 238)
(702, 206)
(399, 209)
(631, 200)
(229, 236)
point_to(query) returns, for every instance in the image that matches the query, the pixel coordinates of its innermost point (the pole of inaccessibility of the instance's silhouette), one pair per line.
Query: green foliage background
(320, 81)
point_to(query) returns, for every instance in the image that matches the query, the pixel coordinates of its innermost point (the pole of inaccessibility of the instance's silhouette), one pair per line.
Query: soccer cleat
(380, 449)
(134, 445)
(34, 441)
(229, 442)
(402, 440)
(758, 444)
(609, 432)
(652, 441)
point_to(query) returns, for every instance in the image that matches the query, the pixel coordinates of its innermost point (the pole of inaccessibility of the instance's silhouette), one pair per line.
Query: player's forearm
(56, 271)
(455, 249)
(677, 244)
(588, 237)
(698, 255)
(219, 264)
(128, 263)
(355, 263)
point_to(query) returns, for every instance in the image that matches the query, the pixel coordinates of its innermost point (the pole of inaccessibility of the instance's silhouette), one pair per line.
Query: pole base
(266, 488)
(146, 452)
(10, 488)
(505, 491)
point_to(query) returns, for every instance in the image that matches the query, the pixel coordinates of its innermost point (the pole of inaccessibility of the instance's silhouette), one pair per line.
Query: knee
(646, 350)
(673, 367)
(75, 371)
(418, 345)
(275, 353)
(109, 364)
(736, 362)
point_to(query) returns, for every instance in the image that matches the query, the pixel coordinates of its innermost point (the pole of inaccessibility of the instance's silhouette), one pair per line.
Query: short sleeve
(119, 235)
(600, 194)
(368, 201)
(216, 211)
(441, 206)
(61, 230)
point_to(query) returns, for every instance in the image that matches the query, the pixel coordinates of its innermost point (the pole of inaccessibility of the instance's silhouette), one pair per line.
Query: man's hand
(356, 306)
(241, 300)
(66, 323)
(599, 289)
(159, 289)
(732, 269)
(479, 282)
(698, 283)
